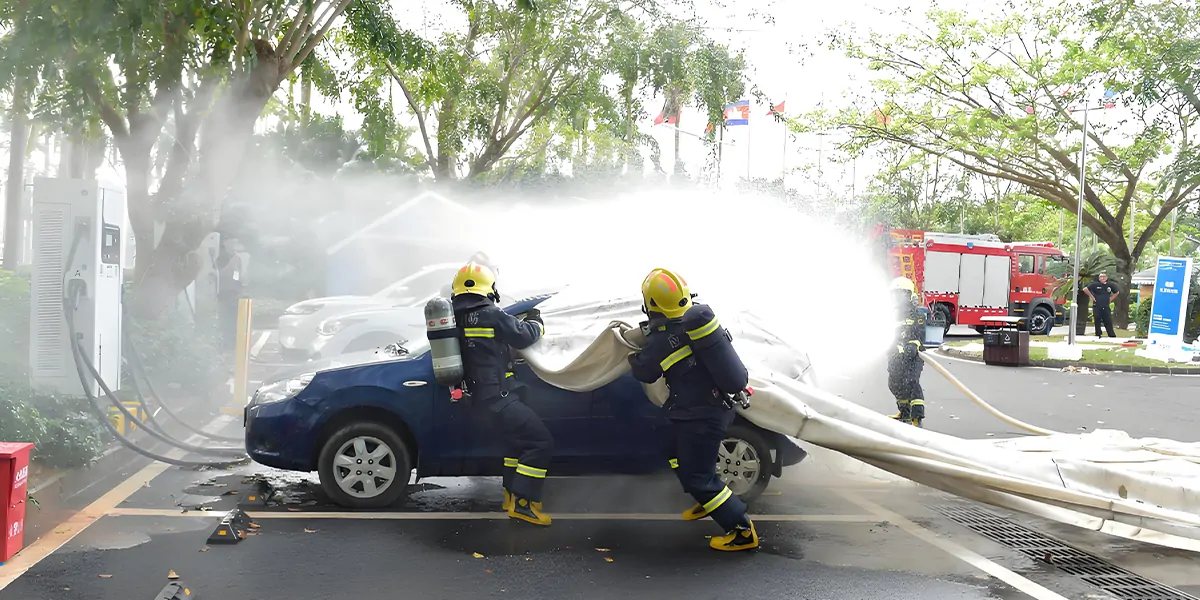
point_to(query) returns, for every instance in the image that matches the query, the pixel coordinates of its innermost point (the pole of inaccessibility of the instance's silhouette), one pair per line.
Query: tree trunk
(1081, 320)
(169, 266)
(678, 159)
(306, 86)
(14, 186)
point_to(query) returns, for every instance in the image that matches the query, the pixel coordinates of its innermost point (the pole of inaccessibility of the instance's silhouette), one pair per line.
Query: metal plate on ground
(1119, 582)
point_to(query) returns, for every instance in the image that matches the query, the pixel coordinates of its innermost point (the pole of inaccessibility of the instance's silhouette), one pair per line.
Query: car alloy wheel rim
(364, 467)
(738, 465)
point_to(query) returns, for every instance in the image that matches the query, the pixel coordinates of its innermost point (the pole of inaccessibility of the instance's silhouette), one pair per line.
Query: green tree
(202, 72)
(999, 98)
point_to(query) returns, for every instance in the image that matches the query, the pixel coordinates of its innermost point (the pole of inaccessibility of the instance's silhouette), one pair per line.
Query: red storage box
(14, 489)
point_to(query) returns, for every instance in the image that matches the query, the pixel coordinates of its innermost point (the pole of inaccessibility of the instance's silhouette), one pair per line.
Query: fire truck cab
(963, 279)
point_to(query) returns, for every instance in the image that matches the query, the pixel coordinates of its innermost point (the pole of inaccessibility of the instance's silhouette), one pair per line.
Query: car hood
(341, 361)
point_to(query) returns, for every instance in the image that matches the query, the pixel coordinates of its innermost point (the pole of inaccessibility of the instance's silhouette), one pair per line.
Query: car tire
(751, 440)
(373, 436)
(1045, 317)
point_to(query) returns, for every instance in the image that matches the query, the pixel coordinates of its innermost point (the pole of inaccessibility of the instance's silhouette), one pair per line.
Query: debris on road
(105, 576)
(477, 555)
(172, 574)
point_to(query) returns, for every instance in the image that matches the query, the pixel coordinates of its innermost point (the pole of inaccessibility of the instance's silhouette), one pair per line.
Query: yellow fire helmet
(474, 278)
(904, 283)
(667, 293)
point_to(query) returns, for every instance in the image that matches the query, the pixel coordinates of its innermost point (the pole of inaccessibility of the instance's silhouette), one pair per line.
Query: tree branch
(417, 111)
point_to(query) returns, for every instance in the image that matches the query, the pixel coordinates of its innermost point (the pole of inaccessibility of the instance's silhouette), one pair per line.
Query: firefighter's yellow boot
(508, 501)
(741, 538)
(695, 513)
(902, 412)
(530, 512)
(917, 412)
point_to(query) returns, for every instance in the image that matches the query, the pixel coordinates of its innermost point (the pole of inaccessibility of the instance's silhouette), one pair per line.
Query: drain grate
(1096, 571)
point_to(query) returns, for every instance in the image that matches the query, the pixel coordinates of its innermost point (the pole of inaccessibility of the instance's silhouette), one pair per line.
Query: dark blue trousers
(528, 445)
(696, 443)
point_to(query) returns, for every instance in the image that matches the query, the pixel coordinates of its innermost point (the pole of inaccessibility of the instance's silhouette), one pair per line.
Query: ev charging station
(87, 217)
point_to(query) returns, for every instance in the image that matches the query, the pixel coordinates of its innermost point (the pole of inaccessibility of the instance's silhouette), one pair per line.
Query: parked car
(364, 421)
(299, 327)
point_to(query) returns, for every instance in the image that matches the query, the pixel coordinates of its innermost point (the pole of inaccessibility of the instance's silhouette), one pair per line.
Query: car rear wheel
(364, 465)
(745, 462)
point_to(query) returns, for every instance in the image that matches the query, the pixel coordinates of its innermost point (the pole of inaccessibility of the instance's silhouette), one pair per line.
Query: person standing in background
(230, 284)
(1102, 293)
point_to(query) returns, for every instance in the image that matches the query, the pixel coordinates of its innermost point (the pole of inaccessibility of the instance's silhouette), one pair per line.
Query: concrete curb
(66, 484)
(1058, 364)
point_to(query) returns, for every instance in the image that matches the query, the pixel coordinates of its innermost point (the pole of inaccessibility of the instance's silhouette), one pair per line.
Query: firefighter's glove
(910, 349)
(534, 315)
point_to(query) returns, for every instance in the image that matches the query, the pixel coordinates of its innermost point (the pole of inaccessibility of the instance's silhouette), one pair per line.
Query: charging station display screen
(110, 249)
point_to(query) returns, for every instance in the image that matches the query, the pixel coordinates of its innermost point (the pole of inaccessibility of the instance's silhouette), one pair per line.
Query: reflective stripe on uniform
(510, 463)
(917, 403)
(529, 471)
(675, 357)
(479, 332)
(674, 463)
(717, 501)
(508, 374)
(917, 342)
(700, 332)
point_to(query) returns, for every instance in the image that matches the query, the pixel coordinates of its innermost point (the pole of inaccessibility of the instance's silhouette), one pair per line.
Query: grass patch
(1111, 355)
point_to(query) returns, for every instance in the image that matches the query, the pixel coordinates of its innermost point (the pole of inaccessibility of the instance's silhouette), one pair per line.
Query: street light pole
(1078, 232)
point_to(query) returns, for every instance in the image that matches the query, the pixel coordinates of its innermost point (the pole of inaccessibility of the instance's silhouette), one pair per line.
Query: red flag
(777, 109)
(662, 116)
(882, 118)
(709, 128)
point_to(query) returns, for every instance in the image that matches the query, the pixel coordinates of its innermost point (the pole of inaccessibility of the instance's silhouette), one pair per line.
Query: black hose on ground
(68, 301)
(80, 362)
(135, 361)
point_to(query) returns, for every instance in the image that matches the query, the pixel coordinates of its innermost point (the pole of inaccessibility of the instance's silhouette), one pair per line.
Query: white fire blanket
(1143, 489)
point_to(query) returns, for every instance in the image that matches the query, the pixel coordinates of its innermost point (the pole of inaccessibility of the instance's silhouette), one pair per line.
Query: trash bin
(14, 489)
(1007, 346)
(935, 327)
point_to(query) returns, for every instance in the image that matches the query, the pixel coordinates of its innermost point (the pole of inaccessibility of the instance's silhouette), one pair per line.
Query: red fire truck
(965, 278)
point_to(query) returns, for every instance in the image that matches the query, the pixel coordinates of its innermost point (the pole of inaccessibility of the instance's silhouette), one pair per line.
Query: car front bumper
(281, 434)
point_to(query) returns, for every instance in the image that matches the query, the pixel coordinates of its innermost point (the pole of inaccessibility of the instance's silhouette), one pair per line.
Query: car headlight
(332, 326)
(282, 390)
(307, 309)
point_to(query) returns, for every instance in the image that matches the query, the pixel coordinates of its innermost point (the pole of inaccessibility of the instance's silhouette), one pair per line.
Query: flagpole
(747, 146)
(783, 159)
(720, 152)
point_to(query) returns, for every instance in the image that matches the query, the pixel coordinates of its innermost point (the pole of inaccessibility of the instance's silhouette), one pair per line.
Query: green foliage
(65, 432)
(1143, 317)
(998, 97)
(179, 357)
(14, 325)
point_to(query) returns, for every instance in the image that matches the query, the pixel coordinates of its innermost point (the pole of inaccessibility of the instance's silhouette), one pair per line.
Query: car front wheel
(744, 462)
(364, 465)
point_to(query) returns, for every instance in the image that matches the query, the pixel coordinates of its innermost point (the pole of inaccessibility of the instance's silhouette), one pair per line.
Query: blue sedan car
(366, 426)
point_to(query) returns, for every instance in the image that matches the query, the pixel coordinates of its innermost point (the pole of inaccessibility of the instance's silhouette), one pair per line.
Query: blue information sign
(1171, 282)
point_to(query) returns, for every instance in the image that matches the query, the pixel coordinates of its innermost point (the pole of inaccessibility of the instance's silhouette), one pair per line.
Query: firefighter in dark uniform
(904, 362)
(488, 335)
(687, 345)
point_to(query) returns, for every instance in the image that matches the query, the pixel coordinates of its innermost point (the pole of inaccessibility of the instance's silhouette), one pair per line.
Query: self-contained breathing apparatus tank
(442, 331)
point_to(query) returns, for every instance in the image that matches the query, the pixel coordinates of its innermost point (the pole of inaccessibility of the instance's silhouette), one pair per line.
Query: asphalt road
(825, 536)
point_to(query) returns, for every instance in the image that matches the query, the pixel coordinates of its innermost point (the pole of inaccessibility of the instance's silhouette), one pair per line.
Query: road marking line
(258, 346)
(64, 532)
(459, 516)
(978, 561)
